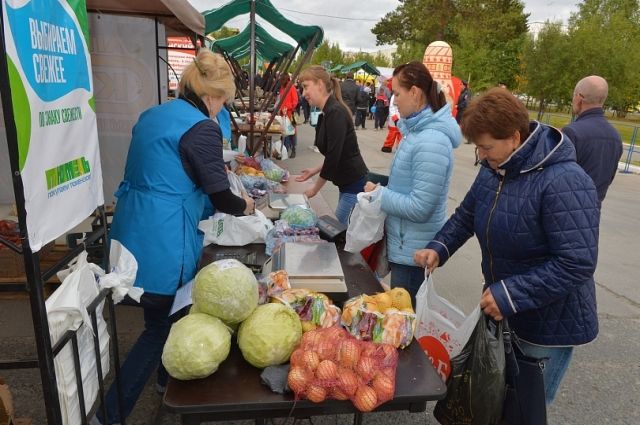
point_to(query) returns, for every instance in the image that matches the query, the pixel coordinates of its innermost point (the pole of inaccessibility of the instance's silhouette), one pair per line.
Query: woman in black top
(336, 140)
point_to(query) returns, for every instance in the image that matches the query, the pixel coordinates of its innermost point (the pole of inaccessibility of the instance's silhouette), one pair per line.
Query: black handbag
(524, 402)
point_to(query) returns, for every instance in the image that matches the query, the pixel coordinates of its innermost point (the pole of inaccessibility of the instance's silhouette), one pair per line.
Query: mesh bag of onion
(331, 364)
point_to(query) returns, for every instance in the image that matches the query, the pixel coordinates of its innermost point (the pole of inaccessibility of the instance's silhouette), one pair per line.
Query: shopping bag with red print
(442, 328)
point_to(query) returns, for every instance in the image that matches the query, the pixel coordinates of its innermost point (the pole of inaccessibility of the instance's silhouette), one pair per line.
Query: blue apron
(159, 206)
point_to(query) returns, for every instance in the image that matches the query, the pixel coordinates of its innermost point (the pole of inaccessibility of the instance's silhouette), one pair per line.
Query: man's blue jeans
(554, 368)
(143, 358)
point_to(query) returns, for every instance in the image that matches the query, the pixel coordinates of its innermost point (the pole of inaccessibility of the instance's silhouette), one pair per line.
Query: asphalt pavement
(602, 385)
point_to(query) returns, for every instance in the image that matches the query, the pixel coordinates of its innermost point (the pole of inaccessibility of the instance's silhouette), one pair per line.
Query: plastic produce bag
(476, 387)
(228, 230)
(282, 232)
(272, 171)
(366, 224)
(442, 329)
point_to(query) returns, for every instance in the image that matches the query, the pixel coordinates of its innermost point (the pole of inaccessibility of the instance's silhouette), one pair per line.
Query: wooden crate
(12, 264)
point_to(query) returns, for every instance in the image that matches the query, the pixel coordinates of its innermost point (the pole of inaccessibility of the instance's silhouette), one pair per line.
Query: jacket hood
(545, 146)
(442, 121)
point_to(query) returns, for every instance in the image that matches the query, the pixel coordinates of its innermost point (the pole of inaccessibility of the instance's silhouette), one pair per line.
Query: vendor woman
(175, 156)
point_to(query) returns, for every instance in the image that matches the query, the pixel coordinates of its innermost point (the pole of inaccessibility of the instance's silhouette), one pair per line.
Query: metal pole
(305, 58)
(252, 72)
(158, 61)
(282, 66)
(632, 145)
(31, 260)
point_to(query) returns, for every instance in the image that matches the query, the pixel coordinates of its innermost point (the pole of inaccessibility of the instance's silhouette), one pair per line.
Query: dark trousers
(361, 117)
(144, 357)
(380, 118)
(306, 110)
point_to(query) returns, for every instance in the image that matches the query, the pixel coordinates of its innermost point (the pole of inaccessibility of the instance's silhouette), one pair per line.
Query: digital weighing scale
(278, 202)
(314, 266)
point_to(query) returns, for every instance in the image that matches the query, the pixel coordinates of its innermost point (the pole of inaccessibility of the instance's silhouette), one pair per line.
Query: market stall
(307, 37)
(241, 387)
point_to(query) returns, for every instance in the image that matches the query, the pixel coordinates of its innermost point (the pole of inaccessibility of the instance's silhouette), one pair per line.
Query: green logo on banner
(66, 172)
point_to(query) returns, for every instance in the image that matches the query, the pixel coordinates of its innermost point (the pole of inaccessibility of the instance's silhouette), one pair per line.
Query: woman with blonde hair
(174, 158)
(336, 140)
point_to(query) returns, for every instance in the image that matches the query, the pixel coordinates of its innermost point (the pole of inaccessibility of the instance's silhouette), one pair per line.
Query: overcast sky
(349, 23)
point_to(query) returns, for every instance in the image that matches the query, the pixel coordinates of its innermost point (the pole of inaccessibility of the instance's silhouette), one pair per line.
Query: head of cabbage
(196, 346)
(269, 335)
(226, 289)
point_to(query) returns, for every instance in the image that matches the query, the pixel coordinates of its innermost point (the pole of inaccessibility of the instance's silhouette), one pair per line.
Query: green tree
(544, 58)
(490, 36)
(487, 36)
(605, 40)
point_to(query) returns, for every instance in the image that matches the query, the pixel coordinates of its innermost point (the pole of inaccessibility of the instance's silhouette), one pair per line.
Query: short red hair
(497, 113)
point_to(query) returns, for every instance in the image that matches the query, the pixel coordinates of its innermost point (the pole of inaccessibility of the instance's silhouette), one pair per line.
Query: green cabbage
(269, 335)
(226, 289)
(299, 216)
(196, 346)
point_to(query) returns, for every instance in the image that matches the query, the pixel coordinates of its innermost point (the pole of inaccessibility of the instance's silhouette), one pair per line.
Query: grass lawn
(559, 120)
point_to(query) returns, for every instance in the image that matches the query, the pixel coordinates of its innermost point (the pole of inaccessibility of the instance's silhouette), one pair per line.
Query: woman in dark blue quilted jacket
(535, 214)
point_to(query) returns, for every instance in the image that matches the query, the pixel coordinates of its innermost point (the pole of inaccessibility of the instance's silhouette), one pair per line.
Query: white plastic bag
(228, 230)
(313, 117)
(288, 128)
(242, 144)
(67, 310)
(235, 184)
(366, 224)
(279, 148)
(442, 329)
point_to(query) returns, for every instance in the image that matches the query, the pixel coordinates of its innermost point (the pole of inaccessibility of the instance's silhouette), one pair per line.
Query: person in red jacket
(287, 109)
(393, 136)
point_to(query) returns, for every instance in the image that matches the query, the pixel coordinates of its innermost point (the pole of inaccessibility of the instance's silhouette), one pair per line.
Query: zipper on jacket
(493, 208)
(401, 233)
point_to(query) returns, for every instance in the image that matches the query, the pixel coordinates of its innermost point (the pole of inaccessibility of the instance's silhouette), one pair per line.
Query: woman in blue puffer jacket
(535, 213)
(415, 198)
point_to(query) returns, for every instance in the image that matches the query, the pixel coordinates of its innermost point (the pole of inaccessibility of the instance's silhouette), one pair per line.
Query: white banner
(49, 70)
(181, 53)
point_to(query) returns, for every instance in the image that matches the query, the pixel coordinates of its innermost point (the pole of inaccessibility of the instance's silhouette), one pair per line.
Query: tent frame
(317, 37)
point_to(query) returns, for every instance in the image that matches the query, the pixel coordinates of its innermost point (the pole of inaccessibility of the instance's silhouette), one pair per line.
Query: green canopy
(337, 68)
(239, 45)
(214, 20)
(364, 65)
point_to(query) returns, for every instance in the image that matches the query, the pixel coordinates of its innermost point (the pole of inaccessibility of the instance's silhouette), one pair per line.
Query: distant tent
(364, 65)
(336, 69)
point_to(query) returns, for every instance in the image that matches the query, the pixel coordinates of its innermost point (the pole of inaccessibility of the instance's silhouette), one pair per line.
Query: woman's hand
(251, 205)
(489, 306)
(310, 193)
(427, 258)
(306, 174)
(370, 186)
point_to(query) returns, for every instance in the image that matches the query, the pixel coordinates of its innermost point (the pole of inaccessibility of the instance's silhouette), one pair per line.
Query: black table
(234, 391)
